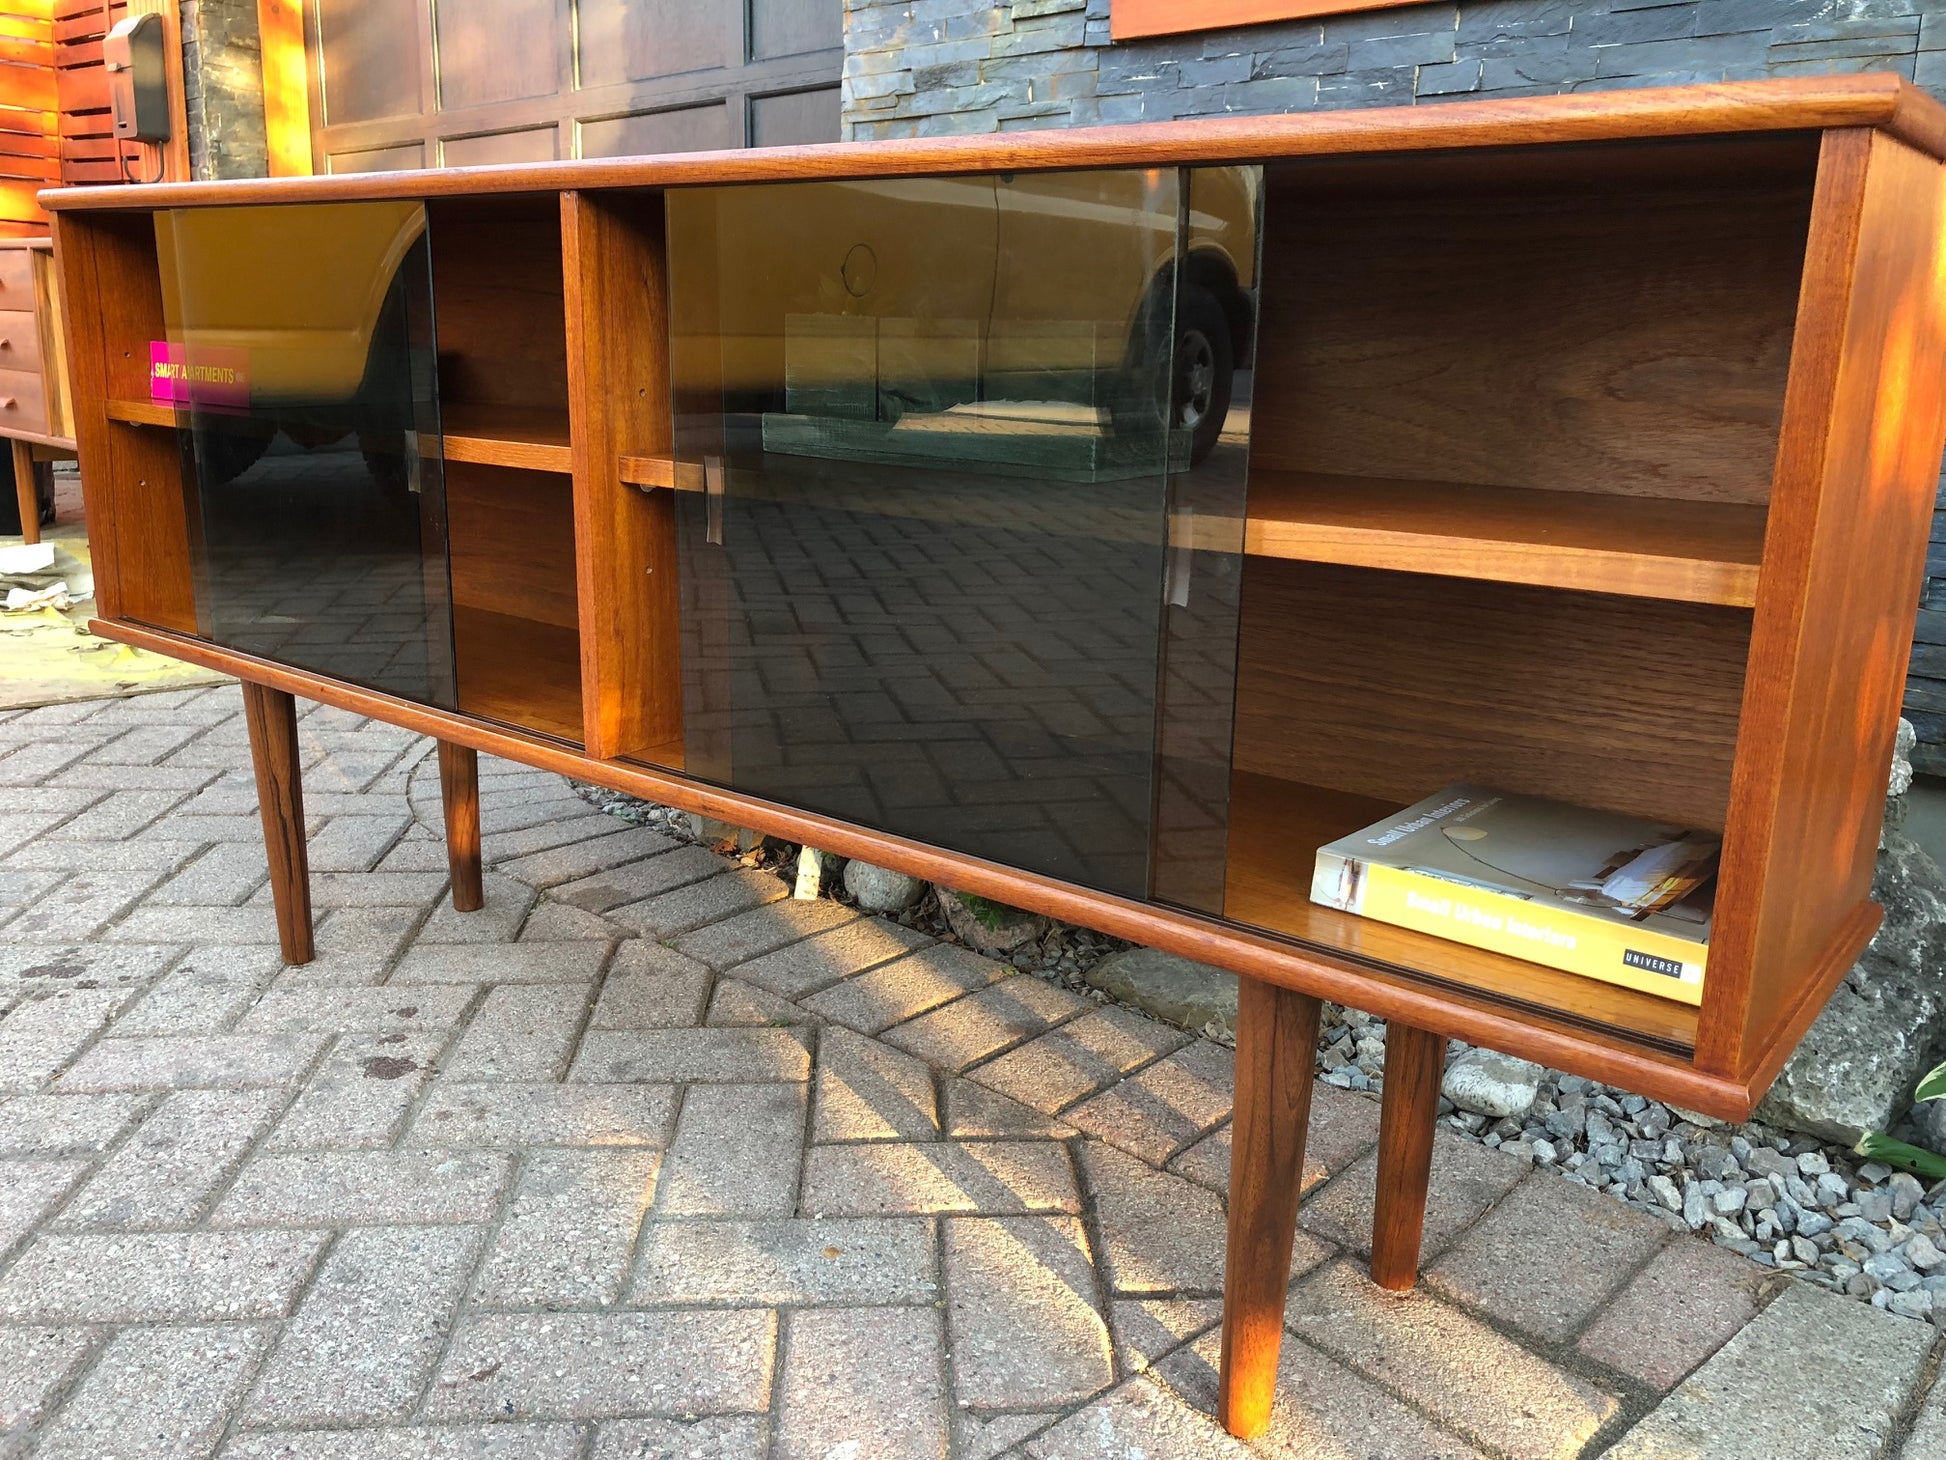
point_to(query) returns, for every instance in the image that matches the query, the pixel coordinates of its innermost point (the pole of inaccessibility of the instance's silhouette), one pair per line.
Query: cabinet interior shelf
(1692, 552)
(141, 413)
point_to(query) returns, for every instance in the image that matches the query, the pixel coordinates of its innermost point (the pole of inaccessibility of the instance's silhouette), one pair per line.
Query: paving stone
(1467, 1178)
(984, 1023)
(634, 881)
(790, 1261)
(1677, 1311)
(116, 817)
(1162, 1109)
(1866, 1364)
(255, 923)
(371, 889)
(973, 1110)
(167, 1172)
(569, 1229)
(1144, 1330)
(868, 1091)
(522, 1032)
(219, 1061)
(360, 1096)
(204, 994)
(734, 1004)
(157, 1394)
(817, 962)
(369, 1330)
(458, 1114)
(679, 1056)
(994, 1178)
(651, 987)
(354, 843)
(722, 896)
(984, 1437)
(1023, 1313)
(1160, 1233)
(43, 1034)
(1546, 1257)
(1511, 1401)
(737, 1152)
(543, 828)
(725, 1437)
(894, 992)
(1063, 1066)
(28, 1191)
(567, 862)
(594, 1365)
(862, 1381)
(351, 1188)
(1928, 1435)
(35, 1365)
(158, 1277)
(505, 907)
(418, 1442)
(762, 930)
(357, 1010)
(38, 966)
(81, 905)
(57, 1125)
(577, 962)
(1140, 1418)
(1323, 1408)
(550, 922)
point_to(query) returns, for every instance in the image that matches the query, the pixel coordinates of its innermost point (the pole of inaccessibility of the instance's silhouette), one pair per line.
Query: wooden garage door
(455, 83)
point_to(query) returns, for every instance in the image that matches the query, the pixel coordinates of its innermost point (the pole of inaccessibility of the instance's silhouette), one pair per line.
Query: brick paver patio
(645, 1160)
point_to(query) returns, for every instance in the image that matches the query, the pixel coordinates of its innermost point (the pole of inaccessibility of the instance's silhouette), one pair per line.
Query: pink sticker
(208, 375)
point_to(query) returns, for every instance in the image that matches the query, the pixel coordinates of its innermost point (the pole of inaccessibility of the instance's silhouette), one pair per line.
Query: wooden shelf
(1276, 827)
(1692, 552)
(141, 413)
(661, 471)
(498, 436)
(519, 671)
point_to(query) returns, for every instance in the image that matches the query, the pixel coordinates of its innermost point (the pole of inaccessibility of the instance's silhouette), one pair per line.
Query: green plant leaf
(1933, 1087)
(1875, 1147)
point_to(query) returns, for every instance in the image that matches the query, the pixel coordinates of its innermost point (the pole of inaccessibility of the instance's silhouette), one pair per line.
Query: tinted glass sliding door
(299, 358)
(940, 438)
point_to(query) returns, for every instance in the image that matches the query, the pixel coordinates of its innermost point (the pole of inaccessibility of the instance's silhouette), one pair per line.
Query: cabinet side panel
(1857, 467)
(138, 524)
(618, 388)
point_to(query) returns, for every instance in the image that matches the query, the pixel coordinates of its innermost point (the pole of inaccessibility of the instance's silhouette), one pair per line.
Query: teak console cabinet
(1098, 521)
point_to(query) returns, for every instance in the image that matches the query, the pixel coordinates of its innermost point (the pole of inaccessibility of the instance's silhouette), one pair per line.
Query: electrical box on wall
(132, 53)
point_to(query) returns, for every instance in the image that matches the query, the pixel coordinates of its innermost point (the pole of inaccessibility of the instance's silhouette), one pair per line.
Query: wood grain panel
(1392, 685)
(372, 59)
(519, 671)
(632, 40)
(672, 129)
(1607, 336)
(618, 369)
(502, 331)
(497, 50)
(511, 539)
(1850, 512)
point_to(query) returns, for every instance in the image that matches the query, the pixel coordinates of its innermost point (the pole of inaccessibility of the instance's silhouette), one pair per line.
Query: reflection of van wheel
(1205, 369)
(226, 452)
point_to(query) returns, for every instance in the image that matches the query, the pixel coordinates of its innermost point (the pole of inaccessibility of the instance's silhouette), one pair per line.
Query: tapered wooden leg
(1277, 1041)
(459, 793)
(1414, 1061)
(272, 717)
(30, 503)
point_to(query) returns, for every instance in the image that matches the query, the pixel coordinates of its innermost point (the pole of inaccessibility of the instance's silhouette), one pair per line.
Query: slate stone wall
(927, 68)
(223, 89)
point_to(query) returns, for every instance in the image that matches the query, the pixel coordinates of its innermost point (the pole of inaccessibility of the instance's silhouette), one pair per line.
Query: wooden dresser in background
(34, 408)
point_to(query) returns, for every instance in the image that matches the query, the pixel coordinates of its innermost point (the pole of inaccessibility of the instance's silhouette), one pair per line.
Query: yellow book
(1594, 893)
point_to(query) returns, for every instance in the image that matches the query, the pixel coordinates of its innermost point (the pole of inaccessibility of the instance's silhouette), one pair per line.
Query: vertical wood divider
(615, 271)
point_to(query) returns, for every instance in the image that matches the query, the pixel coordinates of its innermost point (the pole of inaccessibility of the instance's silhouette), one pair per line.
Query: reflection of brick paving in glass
(308, 562)
(968, 659)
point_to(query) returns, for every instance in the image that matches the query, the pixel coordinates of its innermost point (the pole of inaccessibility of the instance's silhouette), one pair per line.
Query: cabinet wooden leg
(459, 794)
(1414, 1061)
(272, 718)
(30, 503)
(1277, 1041)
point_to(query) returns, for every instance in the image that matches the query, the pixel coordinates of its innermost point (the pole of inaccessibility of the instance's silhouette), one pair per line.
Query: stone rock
(1183, 992)
(881, 890)
(986, 927)
(721, 834)
(1487, 1082)
(1901, 779)
(1885, 1025)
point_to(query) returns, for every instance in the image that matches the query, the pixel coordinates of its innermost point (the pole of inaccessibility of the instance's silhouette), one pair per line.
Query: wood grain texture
(1456, 1012)
(140, 413)
(1856, 473)
(459, 799)
(496, 278)
(270, 715)
(1788, 104)
(618, 372)
(1611, 334)
(519, 671)
(1414, 1061)
(510, 543)
(1696, 552)
(1276, 828)
(1277, 1042)
(1391, 685)
(287, 87)
(24, 494)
